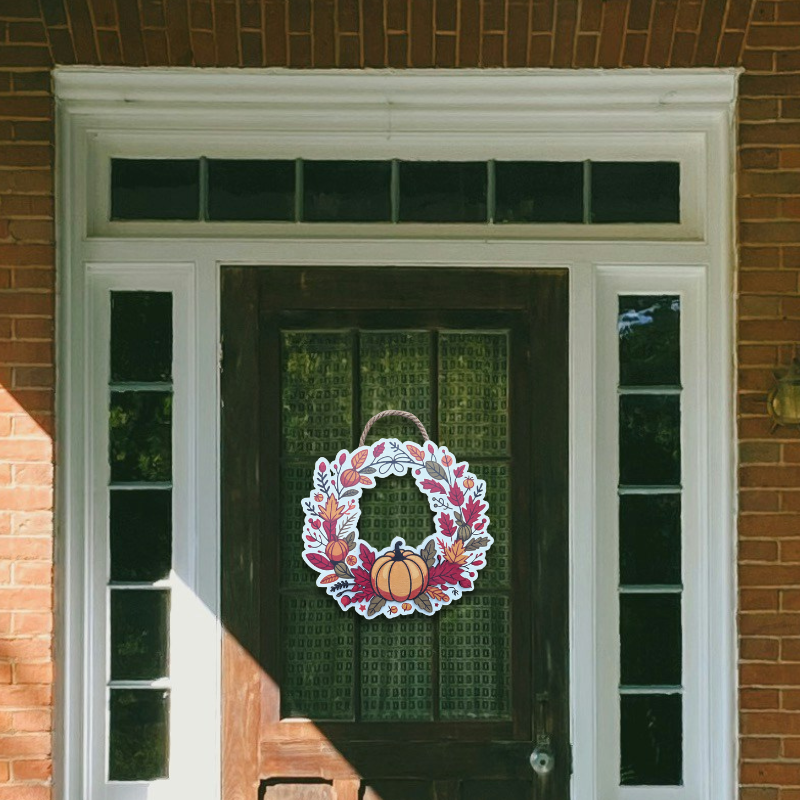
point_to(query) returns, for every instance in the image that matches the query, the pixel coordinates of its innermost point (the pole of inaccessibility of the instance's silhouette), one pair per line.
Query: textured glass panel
(295, 485)
(649, 341)
(497, 572)
(395, 507)
(636, 191)
(649, 440)
(141, 336)
(138, 735)
(250, 190)
(141, 535)
(652, 740)
(473, 393)
(155, 188)
(650, 633)
(396, 659)
(475, 658)
(347, 191)
(139, 634)
(317, 659)
(140, 436)
(650, 539)
(441, 191)
(317, 393)
(395, 373)
(538, 191)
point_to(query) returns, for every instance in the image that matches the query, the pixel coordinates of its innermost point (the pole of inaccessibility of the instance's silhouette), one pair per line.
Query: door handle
(542, 758)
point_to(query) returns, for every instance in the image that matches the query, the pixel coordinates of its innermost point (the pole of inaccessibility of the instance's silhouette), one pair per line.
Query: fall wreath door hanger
(404, 577)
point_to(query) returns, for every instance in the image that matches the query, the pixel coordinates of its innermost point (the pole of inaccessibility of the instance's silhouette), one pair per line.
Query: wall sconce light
(783, 402)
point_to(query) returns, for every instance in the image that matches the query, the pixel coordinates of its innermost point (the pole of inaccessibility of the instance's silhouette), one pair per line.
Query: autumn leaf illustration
(459, 470)
(455, 553)
(446, 525)
(378, 450)
(456, 496)
(444, 573)
(438, 594)
(415, 452)
(331, 511)
(424, 603)
(329, 578)
(359, 458)
(366, 481)
(477, 542)
(318, 561)
(432, 486)
(472, 510)
(367, 556)
(435, 471)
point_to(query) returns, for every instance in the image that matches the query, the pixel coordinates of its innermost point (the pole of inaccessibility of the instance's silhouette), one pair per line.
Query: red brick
(754, 649)
(760, 698)
(31, 769)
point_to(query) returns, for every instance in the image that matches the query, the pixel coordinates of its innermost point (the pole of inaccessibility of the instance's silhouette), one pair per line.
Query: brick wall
(762, 36)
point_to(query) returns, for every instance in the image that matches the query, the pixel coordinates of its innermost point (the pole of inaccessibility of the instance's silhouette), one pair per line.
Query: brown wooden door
(318, 703)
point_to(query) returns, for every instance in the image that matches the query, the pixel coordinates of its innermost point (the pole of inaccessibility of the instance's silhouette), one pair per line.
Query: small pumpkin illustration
(337, 550)
(468, 483)
(352, 561)
(399, 575)
(350, 477)
(406, 606)
(393, 609)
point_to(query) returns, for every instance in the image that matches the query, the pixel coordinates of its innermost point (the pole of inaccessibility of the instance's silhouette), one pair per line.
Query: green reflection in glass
(139, 634)
(138, 735)
(140, 436)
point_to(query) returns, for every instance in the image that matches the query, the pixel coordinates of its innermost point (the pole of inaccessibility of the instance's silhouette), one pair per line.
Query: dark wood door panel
(334, 314)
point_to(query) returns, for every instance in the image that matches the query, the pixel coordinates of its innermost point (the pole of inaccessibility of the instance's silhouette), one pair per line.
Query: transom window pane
(250, 190)
(155, 188)
(347, 191)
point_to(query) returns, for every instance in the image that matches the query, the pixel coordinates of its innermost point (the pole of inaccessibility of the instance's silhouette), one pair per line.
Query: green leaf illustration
(423, 602)
(368, 471)
(375, 605)
(349, 493)
(342, 570)
(435, 470)
(478, 541)
(428, 553)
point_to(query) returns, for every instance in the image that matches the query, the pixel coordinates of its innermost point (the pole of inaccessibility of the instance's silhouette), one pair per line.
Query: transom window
(396, 191)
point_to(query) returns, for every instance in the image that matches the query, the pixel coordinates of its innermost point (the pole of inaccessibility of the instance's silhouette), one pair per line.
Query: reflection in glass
(538, 191)
(652, 746)
(155, 188)
(138, 735)
(347, 191)
(649, 440)
(141, 336)
(441, 191)
(141, 535)
(250, 190)
(636, 191)
(139, 634)
(650, 539)
(650, 634)
(649, 340)
(140, 436)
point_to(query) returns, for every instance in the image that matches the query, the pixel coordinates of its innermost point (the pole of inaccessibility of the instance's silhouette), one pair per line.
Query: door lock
(542, 758)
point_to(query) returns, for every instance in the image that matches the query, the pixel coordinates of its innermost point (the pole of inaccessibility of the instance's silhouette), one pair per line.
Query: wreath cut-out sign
(404, 577)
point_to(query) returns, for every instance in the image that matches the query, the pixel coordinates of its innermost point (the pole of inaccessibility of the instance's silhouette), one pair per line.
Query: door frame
(257, 112)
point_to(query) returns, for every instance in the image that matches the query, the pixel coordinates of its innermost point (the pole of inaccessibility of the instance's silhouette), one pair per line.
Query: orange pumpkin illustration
(350, 477)
(337, 550)
(352, 560)
(468, 483)
(406, 606)
(399, 575)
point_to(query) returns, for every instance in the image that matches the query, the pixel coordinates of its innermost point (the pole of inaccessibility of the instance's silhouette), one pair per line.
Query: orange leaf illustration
(358, 459)
(437, 594)
(416, 452)
(331, 511)
(455, 553)
(366, 481)
(330, 578)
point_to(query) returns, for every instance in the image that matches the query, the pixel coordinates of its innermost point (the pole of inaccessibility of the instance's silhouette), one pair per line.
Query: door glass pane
(396, 683)
(318, 663)
(141, 336)
(141, 534)
(650, 539)
(475, 658)
(473, 393)
(650, 440)
(139, 634)
(649, 341)
(650, 632)
(140, 436)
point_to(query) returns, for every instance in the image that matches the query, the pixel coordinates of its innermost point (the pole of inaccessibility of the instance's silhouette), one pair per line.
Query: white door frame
(684, 115)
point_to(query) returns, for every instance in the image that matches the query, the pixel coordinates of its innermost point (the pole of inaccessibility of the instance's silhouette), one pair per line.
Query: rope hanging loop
(393, 413)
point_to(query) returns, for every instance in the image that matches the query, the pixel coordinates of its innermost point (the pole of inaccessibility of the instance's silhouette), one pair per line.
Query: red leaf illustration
(342, 458)
(359, 458)
(309, 538)
(456, 496)
(464, 583)
(480, 526)
(472, 510)
(360, 597)
(432, 486)
(367, 556)
(378, 450)
(446, 525)
(446, 572)
(459, 470)
(319, 562)
(477, 563)
(330, 528)
(361, 577)
(430, 448)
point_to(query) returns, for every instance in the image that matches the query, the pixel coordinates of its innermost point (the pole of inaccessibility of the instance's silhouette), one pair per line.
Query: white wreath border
(455, 554)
